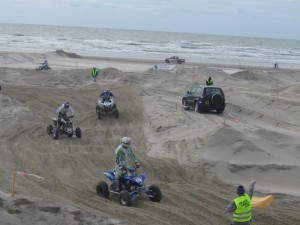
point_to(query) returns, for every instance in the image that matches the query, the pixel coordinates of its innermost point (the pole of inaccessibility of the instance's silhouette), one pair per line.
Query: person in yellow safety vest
(95, 73)
(241, 206)
(209, 82)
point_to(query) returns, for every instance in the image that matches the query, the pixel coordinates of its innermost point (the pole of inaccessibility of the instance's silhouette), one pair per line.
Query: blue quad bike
(131, 186)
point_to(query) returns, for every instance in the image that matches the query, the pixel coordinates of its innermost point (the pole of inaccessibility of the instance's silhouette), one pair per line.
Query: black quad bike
(43, 67)
(65, 128)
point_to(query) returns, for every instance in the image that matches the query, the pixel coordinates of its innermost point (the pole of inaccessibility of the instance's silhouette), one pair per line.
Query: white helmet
(126, 141)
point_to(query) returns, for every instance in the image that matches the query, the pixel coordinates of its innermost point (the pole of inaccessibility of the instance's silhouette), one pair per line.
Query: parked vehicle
(204, 98)
(174, 59)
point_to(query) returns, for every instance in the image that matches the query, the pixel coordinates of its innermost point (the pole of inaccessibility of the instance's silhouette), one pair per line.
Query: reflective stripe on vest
(94, 72)
(243, 209)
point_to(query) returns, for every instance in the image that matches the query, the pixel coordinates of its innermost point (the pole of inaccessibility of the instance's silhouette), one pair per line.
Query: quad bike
(131, 186)
(108, 106)
(65, 128)
(43, 67)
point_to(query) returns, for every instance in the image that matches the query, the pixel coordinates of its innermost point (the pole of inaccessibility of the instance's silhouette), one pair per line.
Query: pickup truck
(174, 59)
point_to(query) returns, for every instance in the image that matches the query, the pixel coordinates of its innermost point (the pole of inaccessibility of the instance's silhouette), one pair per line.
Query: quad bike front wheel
(155, 193)
(116, 112)
(125, 198)
(99, 113)
(55, 133)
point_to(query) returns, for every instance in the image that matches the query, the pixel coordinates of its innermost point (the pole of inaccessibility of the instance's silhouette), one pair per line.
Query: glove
(122, 169)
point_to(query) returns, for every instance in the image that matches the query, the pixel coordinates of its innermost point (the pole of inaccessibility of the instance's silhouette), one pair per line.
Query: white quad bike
(108, 106)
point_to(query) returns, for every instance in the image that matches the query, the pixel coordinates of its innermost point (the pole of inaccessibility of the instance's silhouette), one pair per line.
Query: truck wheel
(197, 107)
(184, 104)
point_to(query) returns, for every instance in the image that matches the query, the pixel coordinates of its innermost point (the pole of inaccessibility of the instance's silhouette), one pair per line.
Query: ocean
(135, 44)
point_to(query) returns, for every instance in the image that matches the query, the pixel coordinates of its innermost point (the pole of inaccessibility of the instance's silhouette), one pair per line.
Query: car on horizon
(175, 59)
(204, 98)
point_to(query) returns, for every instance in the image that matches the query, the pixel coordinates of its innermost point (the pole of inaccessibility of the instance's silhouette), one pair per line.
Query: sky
(253, 18)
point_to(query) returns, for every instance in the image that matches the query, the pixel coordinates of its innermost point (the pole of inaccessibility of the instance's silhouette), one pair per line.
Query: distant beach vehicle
(175, 59)
(165, 68)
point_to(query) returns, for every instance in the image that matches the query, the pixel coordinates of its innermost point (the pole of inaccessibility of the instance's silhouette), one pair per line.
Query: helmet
(66, 104)
(240, 190)
(126, 141)
(106, 92)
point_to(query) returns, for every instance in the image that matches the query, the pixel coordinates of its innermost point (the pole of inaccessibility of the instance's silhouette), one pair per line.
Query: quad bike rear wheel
(49, 129)
(102, 189)
(78, 132)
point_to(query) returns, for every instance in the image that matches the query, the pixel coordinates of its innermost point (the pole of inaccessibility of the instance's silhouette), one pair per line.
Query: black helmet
(240, 190)
(67, 105)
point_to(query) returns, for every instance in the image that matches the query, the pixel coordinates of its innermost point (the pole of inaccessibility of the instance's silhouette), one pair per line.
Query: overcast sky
(254, 18)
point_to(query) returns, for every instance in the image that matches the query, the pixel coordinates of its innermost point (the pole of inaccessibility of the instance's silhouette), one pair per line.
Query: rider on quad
(62, 111)
(106, 95)
(123, 155)
(45, 65)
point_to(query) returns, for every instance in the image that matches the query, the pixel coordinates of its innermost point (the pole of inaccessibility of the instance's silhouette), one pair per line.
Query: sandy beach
(196, 159)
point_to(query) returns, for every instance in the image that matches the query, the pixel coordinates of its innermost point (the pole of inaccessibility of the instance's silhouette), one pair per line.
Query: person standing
(95, 73)
(241, 205)
(209, 82)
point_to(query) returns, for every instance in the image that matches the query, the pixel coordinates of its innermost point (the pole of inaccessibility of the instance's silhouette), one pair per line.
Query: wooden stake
(13, 183)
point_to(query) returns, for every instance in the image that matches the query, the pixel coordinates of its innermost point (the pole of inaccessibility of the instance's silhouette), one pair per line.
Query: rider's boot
(117, 185)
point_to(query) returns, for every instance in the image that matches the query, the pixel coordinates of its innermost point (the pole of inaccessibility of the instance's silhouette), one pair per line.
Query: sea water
(138, 44)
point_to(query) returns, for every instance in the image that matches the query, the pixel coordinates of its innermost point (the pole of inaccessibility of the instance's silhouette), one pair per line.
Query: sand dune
(196, 159)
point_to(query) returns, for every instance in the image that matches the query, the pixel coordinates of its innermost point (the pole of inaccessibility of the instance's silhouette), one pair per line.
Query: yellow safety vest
(94, 72)
(243, 209)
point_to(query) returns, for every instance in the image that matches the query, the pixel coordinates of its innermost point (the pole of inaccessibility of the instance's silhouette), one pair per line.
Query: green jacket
(123, 156)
